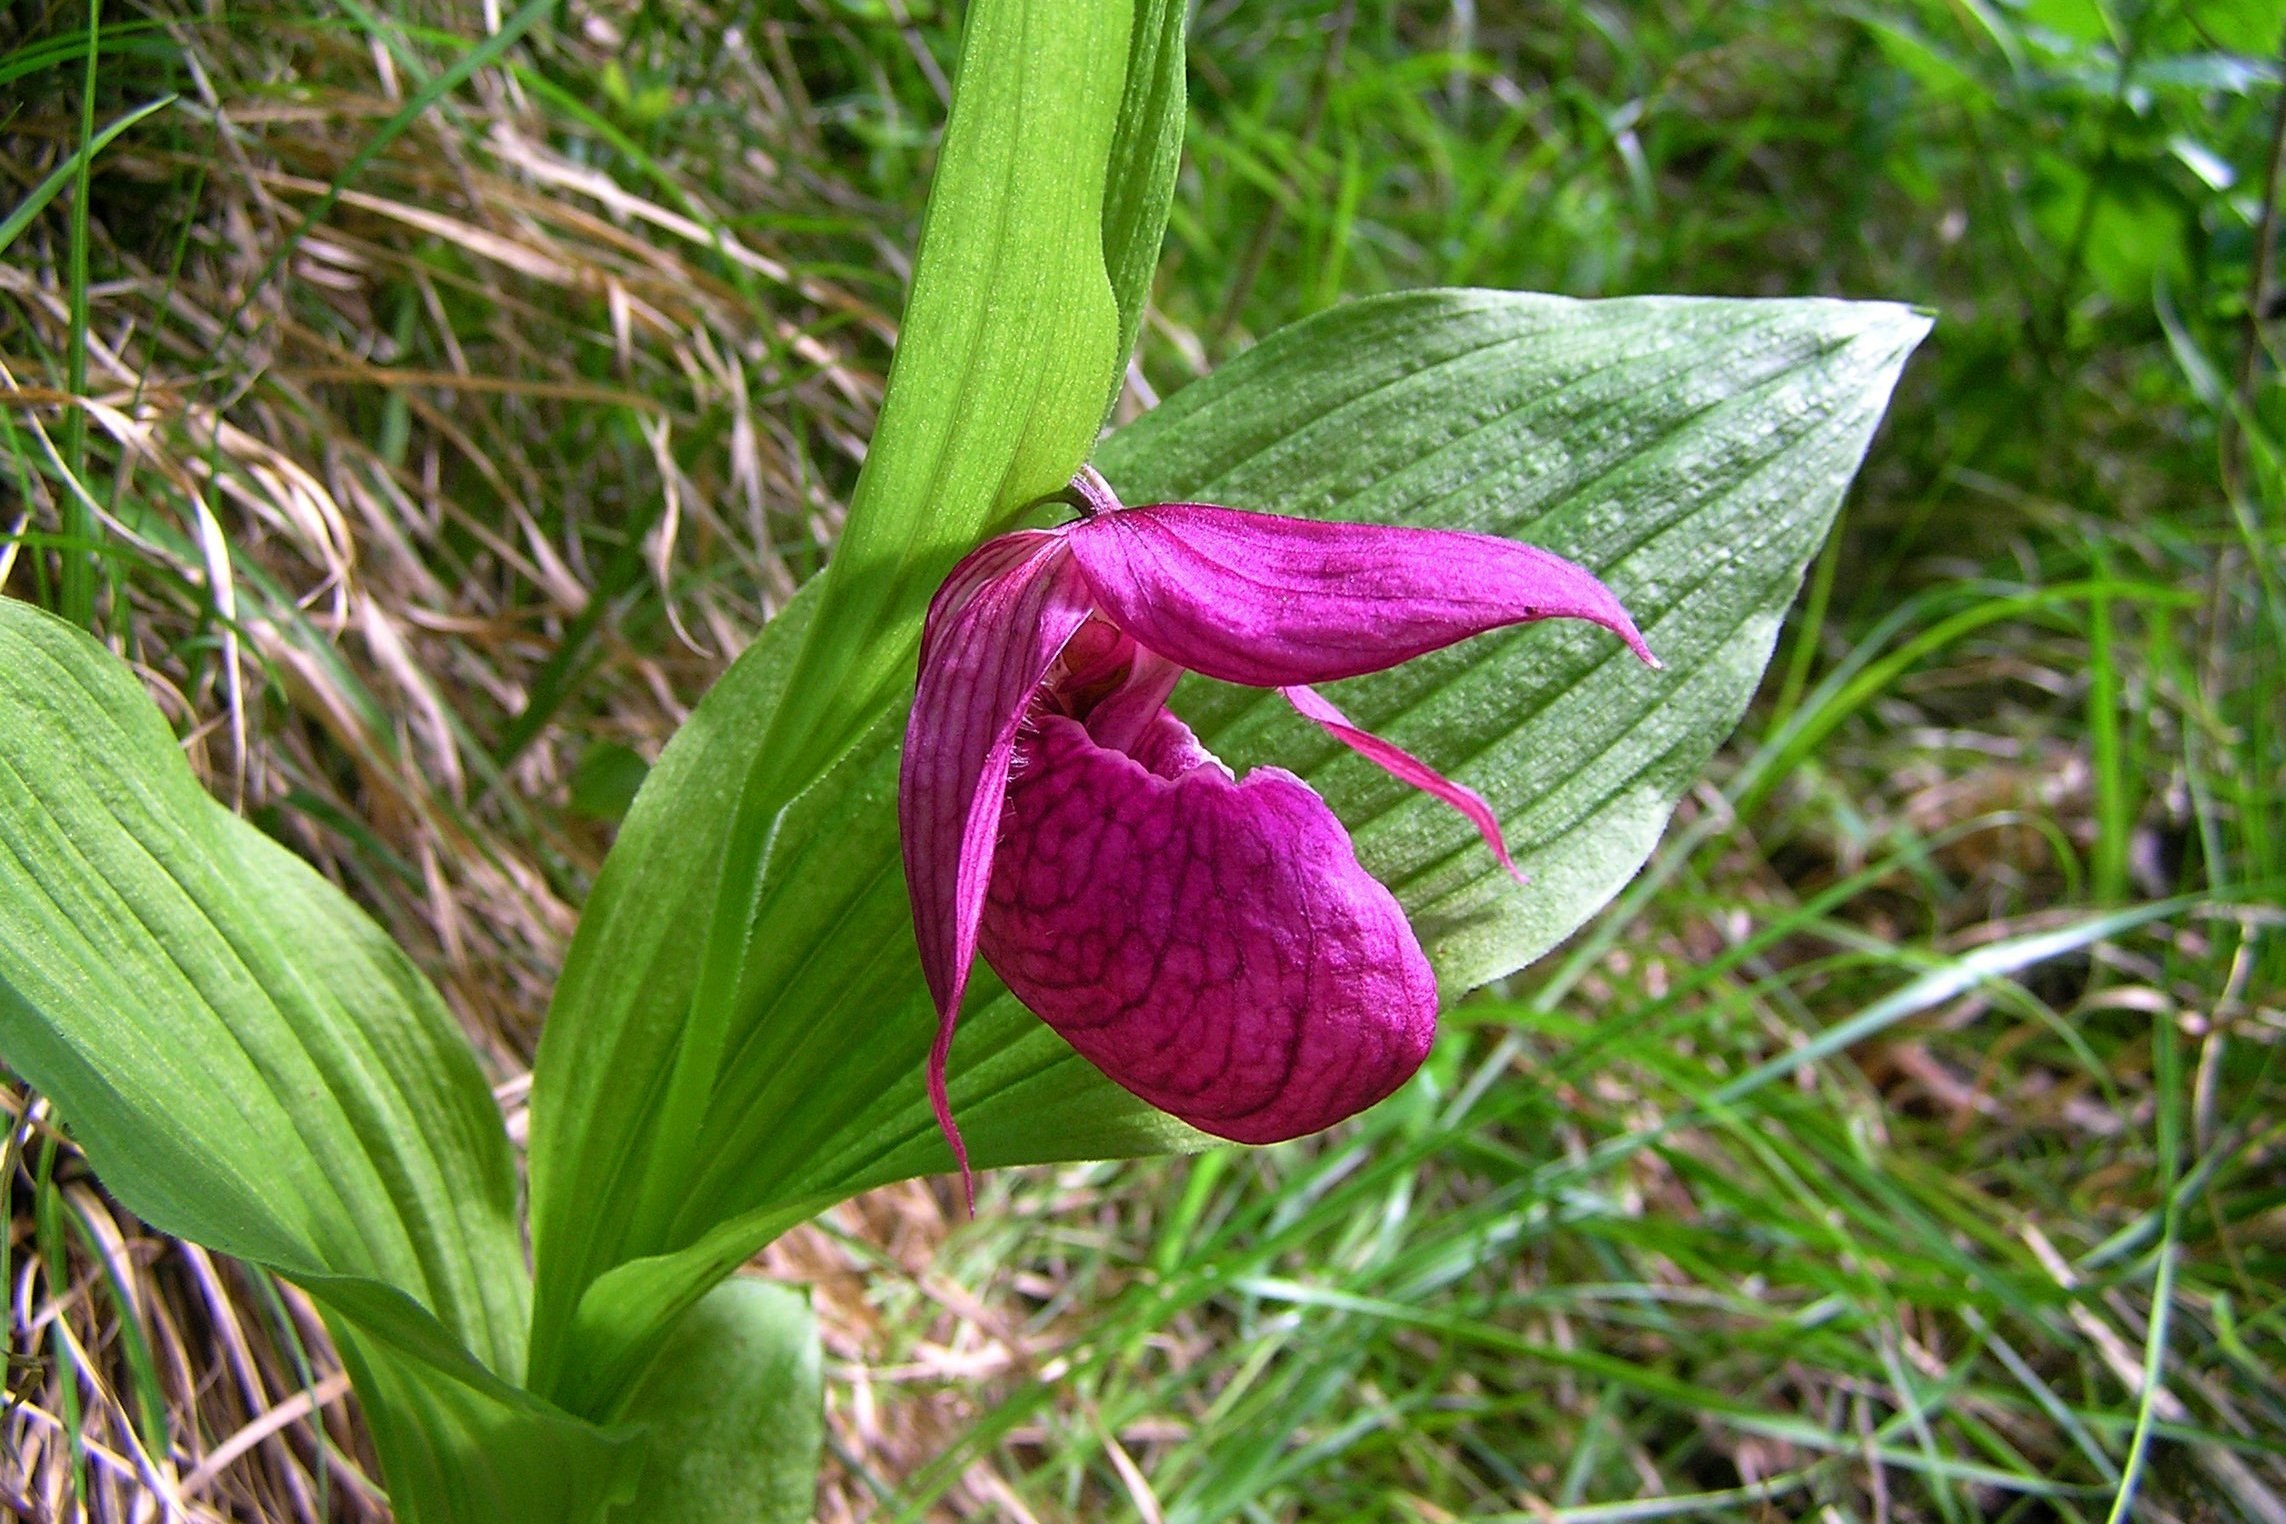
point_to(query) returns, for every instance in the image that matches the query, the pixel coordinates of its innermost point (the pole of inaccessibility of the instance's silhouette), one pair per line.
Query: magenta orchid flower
(1209, 942)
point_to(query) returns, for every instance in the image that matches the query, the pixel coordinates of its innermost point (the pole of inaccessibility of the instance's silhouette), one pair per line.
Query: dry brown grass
(257, 1417)
(493, 391)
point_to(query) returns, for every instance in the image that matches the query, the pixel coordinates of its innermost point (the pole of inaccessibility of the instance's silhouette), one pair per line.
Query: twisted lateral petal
(1268, 601)
(1211, 945)
(1405, 767)
(994, 629)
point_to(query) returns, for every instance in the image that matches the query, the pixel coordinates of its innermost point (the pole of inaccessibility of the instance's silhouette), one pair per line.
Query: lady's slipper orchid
(1209, 942)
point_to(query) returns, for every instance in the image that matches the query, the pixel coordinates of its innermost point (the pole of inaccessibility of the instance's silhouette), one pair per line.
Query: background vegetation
(459, 388)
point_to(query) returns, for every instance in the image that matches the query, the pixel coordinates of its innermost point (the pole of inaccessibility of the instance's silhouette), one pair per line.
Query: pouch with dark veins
(1210, 943)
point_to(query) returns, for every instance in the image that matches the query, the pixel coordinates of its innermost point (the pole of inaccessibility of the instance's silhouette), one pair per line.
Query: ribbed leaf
(247, 1059)
(809, 1098)
(249, 1062)
(1692, 452)
(1011, 334)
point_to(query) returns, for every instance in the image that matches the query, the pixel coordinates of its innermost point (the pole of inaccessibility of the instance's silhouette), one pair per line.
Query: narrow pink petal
(1211, 945)
(1404, 766)
(993, 631)
(1264, 600)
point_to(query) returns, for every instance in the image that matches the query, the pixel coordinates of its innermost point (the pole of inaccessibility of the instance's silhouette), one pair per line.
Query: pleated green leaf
(1691, 452)
(247, 1059)
(809, 1099)
(1012, 333)
(251, 1063)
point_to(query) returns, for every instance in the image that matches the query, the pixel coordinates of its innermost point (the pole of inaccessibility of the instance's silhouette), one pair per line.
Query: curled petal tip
(940, 1101)
(1623, 625)
(1406, 768)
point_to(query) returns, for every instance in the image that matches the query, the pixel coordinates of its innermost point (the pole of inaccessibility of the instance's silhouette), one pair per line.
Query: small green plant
(742, 1032)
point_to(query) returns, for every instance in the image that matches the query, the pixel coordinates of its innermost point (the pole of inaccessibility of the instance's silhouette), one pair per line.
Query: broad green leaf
(730, 1412)
(247, 1059)
(1012, 332)
(249, 1062)
(1692, 452)
(845, 955)
(1050, 197)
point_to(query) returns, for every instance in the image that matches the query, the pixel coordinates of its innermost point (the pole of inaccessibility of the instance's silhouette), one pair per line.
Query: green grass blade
(78, 571)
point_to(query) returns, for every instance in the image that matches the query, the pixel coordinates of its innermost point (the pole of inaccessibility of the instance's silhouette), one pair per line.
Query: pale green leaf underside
(1011, 332)
(731, 1413)
(1692, 452)
(248, 1060)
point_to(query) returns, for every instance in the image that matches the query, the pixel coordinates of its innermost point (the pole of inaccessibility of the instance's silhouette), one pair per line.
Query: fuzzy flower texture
(1209, 942)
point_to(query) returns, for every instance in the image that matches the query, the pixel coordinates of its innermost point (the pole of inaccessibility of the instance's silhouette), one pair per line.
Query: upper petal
(1212, 945)
(1267, 601)
(993, 631)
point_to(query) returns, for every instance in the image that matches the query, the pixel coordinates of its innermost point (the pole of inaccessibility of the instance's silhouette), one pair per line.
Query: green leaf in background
(1691, 452)
(251, 1063)
(1044, 220)
(47, 190)
(731, 1412)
